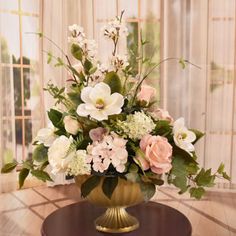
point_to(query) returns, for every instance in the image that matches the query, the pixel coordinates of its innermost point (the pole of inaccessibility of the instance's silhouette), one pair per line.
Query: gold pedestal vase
(116, 219)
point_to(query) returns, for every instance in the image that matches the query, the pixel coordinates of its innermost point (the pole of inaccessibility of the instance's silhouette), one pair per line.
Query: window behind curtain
(21, 83)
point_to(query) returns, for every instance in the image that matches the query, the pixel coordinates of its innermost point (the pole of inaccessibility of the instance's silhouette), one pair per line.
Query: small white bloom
(119, 62)
(79, 164)
(72, 126)
(183, 137)
(77, 34)
(46, 136)
(61, 153)
(89, 48)
(104, 67)
(99, 103)
(136, 125)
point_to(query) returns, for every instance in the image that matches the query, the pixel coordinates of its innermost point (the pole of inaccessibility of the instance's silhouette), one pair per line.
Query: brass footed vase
(116, 219)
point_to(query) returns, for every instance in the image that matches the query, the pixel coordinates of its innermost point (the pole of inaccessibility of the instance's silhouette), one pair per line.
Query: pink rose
(146, 93)
(97, 134)
(158, 153)
(161, 114)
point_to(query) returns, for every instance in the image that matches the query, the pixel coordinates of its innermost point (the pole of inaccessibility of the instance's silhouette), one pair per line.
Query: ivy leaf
(89, 185)
(148, 190)
(56, 118)
(204, 178)
(41, 175)
(22, 176)
(181, 183)
(76, 51)
(40, 153)
(197, 192)
(221, 168)
(9, 167)
(113, 80)
(109, 185)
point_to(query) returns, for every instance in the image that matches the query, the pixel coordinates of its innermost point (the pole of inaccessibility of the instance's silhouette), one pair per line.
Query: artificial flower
(77, 34)
(46, 136)
(136, 125)
(161, 114)
(99, 103)
(119, 62)
(183, 137)
(79, 165)
(72, 126)
(146, 93)
(97, 134)
(158, 154)
(61, 153)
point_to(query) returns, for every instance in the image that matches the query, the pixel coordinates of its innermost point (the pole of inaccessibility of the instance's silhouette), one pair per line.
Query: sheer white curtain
(203, 32)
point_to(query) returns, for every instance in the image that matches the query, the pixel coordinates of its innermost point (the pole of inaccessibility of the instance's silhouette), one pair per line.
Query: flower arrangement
(107, 125)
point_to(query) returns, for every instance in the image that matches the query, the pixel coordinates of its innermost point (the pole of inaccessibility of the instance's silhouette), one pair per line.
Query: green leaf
(204, 178)
(109, 185)
(75, 72)
(56, 118)
(197, 192)
(225, 176)
(22, 176)
(92, 70)
(89, 185)
(9, 167)
(221, 168)
(41, 175)
(148, 190)
(49, 57)
(44, 165)
(198, 134)
(40, 153)
(59, 62)
(133, 168)
(192, 168)
(76, 51)
(28, 164)
(182, 63)
(181, 183)
(113, 80)
(158, 182)
(87, 66)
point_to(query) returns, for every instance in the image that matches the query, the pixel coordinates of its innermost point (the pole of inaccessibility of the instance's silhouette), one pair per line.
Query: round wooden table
(78, 220)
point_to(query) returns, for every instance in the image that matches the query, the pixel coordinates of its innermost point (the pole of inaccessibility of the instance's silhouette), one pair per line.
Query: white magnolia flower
(119, 62)
(183, 137)
(79, 164)
(99, 103)
(72, 126)
(46, 136)
(61, 153)
(136, 125)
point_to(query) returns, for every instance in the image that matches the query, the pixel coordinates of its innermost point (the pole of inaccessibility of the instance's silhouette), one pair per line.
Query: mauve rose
(97, 133)
(161, 114)
(158, 153)
(146, 93)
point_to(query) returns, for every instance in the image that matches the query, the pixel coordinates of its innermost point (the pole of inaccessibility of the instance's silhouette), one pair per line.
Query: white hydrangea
(114, 29)
(119, 62)
(79, 165)
(136, 125)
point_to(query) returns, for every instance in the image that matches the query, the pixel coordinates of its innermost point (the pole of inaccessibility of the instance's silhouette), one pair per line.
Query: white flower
(72, 126)
(99, 103)
(110, 150)
(61, 153)
(89, 48)
(104, 67)
(114, 29)
(46, 136)
(119, 62)
(183, 137)
(136, 125)
(79, 164)
(77, 34)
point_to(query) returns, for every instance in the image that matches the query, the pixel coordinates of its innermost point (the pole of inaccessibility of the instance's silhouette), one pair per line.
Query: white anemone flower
(99, 103)
(183, 137)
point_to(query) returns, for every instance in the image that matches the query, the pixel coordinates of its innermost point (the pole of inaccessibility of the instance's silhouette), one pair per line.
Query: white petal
(190, 136)
(116, 102)
(82, 111)
(178, 124)
(98, 115)
(100, 90)
(85, 94)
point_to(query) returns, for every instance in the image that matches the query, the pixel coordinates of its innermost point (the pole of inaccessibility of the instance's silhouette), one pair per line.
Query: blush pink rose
(146, 93)
(161, 114)
(158, 153)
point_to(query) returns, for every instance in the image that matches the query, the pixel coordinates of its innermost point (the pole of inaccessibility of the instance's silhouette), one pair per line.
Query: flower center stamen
(100, 104)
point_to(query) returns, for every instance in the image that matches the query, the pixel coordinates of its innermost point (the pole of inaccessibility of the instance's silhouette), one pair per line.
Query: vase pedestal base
(116, 220)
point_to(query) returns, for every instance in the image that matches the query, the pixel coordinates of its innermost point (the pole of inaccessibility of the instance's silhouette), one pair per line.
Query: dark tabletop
(78, 220)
